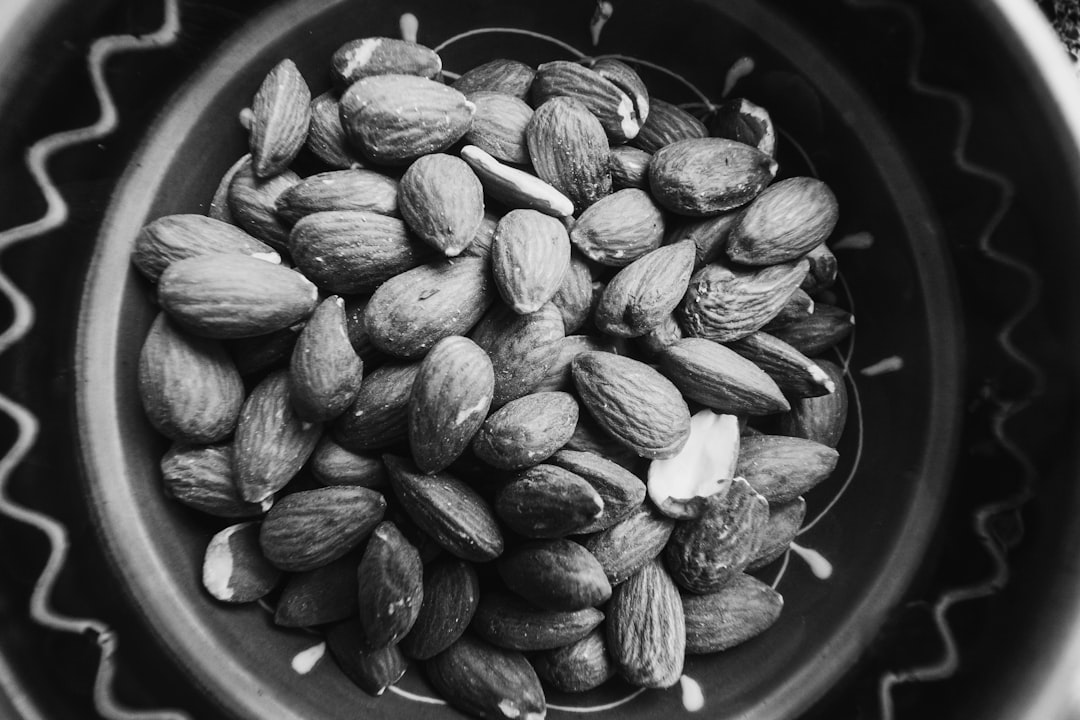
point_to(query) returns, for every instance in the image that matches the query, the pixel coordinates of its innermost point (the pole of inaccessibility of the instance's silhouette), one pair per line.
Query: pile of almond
(520, 385)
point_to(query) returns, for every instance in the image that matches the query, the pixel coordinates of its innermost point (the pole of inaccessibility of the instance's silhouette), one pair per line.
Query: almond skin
(442, 202)
(251, 202)
(569, 150)
(201, 477)
(629, 168)
(175, 237)
(530, 257)
(795, 374)
(575, 297)
(352, 189)
(787, 220)
(785, 521)
(706, 176)
(617, 113)
(555, 574)
(621, 490)
(449, 401)
(234, 296)
(633, 402)
(394, 119)
(522, 348)
(272, 442)
(821, 330)
(391, 575)
(498, 126)
(414, 310)
(324, 371)
(316, 597)
(189, 386)
(332, 464)
(311, 528)
(281, 112)
(373, 671)
(546, 501)
(378, 417)
(782, 468)
(821, 419)
(369, 56)
(582, 665)
(666, 124)
(646, 633)
(516, 188)
(619, 228)
(501, 75)
(451, 593)
(526, 431)
(740, 610)
(234, 569)
(326, 137)
(646, 291)
(721, 379)
(486, 681)
(507, 621)
(623, 548)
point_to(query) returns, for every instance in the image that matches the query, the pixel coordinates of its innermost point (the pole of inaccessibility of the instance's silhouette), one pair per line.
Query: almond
(326, 137)
(369, 56)
(740, 610)
(442, 202)
(176, 237)
(555, 574)
(501, 75)
(821, 419)
(666, 124)
(709, 234)
(281, 114)
(823, 329)
(451, 593)
(498, 126)
(629, 167)
(783, 468)
(787, 220)
(311, 528)
(619, 228)
(530, 257)
(721, 379)
(646, 291)
(575, 297)
(823, 269)
(201, 477)
(617, 113)
(679, 486)
(559, 376)
(582, 665)
(522, 348)
(259, 353)
(629, 544)
(646, 633)
(526, 431)
(487, 681)
(373, 671)
(316, 597)
(449, 401)
(795, 374)
(325, 371)
(351, 189)
(509, 622)
(391, 575)
(234, 569)
(785, 520)
(546, 501)
(706, 176)
(621, 491)
(744, 121)
(569, 150)
(252, 202)
(378, 418)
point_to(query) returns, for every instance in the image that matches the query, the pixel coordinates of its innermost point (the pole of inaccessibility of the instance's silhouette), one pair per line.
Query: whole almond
(451, 593)
(354, 251)
(626, 79)
(316, 597)
(782, 468)
(666, 124)
(394, 119)
(629, 167)
(743, 608)
(516, 188)
(325, 371)
(234, 569)
(175, 237)
(569, 150)
(706, 176)
(794, 373)
(725, 304)
(487, 681)
(721, 379)
(785, 521)
(501, 75)
(442, 202)
(821, 419)
(646, 291)
(310, 528)
(530, 257)
(633, 402)
(449, 401)
(616, 111)
(509, 622)
(706, 552)
(546, 501)
(582, 665)
(555, 574)
(252, 203)
(414, 310)
(451, 512)
(281, 114)
(498, 126)
(332, 464)
(619, 228)
(626, 546)
(821, 330)
(379, 416)
(190, 388)
(272, 442)
(787, 220)
(201, 477)
(621, 491)
(574, 298)
(646, 632)
(526, 431)
(391, 575)
(326, 137)
(369, 56)
(234, 296)
(522, 348)
(351, 189)
(373, 671)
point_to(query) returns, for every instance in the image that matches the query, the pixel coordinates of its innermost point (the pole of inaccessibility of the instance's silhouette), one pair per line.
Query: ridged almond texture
(368, 56)
(743, 608)
(352, 189)
(414, 310)
(234, 296)
(646, 291)
(354, 251)
(719, 378)
(787, 220)
(449, 401)
(251, 203)
(391, 575)
(394, 119)
(201, 477)
(666, 124)
(619, 228)
(782, 468)
(615, 109)
(634, 403)
(522, 348)
(272, 442)
(499, 126)
(176, 237)
(500, 75)
(706, 176)
(527, 431)
(451, 592)
(487, 681)
(189, 386)
(569, 149)
(530, 257)
(324, 370)
(442, 202)
(646, 632)
(378, 417)
(281, 112)
(326, 137)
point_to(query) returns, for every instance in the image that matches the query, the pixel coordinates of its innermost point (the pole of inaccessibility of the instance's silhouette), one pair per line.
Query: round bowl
(869, 529)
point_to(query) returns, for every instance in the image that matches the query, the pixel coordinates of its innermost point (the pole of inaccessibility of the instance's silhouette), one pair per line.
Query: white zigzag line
(948, 663)
(56, 214)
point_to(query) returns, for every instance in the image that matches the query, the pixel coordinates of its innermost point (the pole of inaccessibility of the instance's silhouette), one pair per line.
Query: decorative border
(38, 157)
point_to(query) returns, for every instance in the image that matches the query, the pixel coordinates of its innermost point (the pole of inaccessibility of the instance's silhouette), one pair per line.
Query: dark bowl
(846, 113)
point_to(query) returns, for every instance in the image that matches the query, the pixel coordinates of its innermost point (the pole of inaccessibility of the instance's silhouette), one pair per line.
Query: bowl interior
(867, 527)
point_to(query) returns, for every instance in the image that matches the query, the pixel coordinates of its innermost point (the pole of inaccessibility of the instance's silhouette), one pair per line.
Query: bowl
(873, 531)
